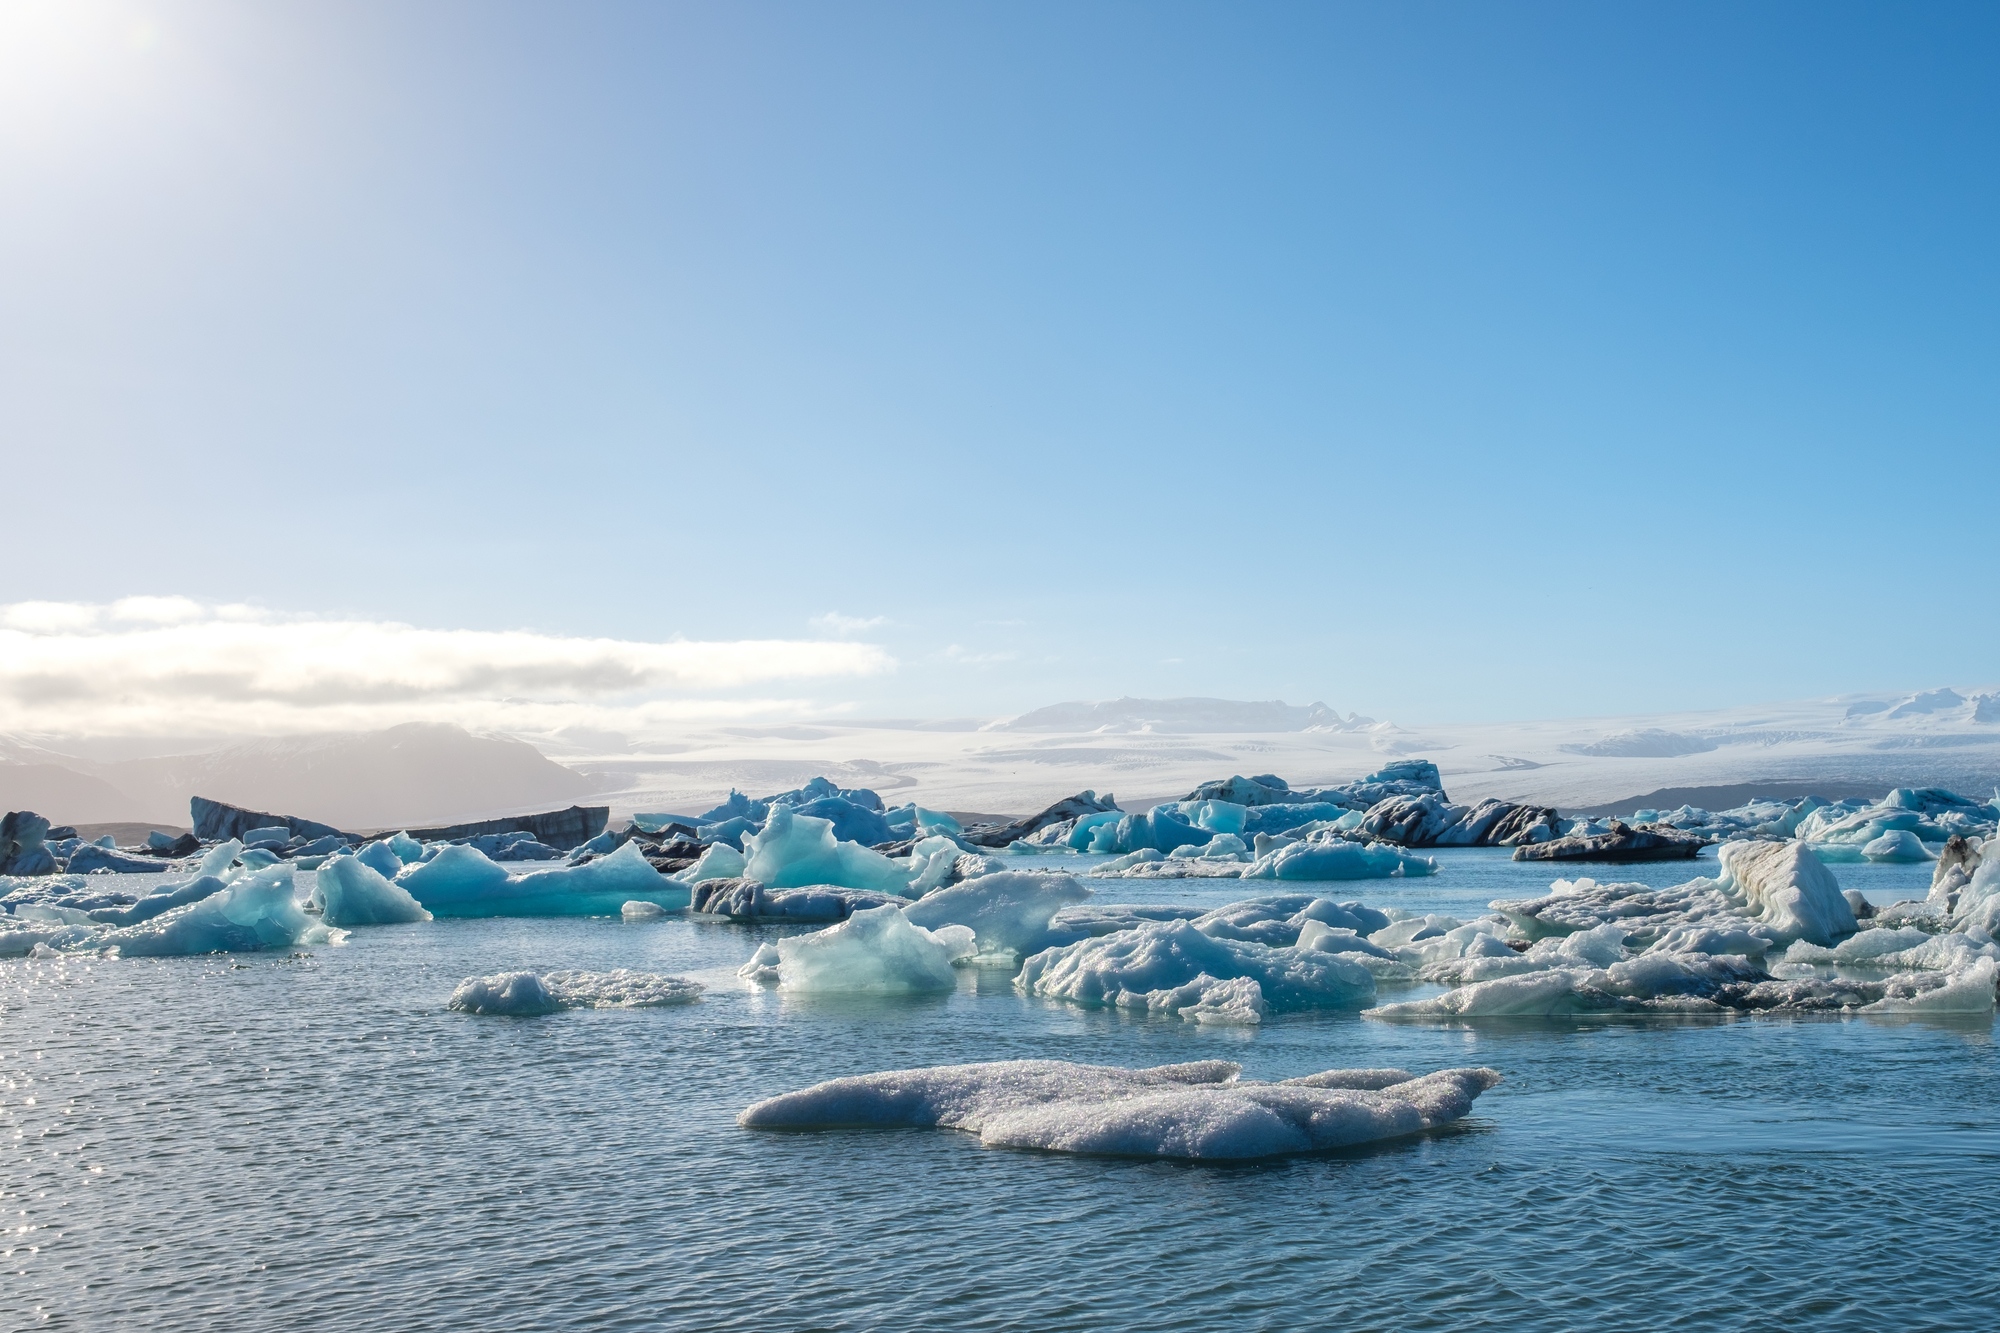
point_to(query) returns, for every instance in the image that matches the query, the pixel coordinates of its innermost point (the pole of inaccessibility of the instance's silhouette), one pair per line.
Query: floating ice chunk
(526, 994)
(1110, 918)
(1905, 949)
(1008, 912)
(164, 899)
(1277, 919)
(517, 994)
(1409, 930)
(383, 859)
(635, 909)
(1238, 1002)
(1216, 816)
(1718, 937)
(1967, 991)
(218, 859)
(873, 952)
(351, 893)
(1339, 939)
(720, 861)
(22, 938)
(274, 835)
(931, 863)
(405, 847)
(1541, 994)
(1128, 969)
(747, 900)
(454, 882)
(255, 912)
(1197, 1111)
(461, 881)
(1335, 858)
(1788, 889)
(796, 850)
(1897, 845)
(1978, 904)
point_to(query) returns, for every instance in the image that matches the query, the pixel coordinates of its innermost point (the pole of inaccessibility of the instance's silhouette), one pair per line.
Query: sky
(1436, 361)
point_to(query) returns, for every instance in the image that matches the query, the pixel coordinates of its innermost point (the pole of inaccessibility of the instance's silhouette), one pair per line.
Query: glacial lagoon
(310, 1138)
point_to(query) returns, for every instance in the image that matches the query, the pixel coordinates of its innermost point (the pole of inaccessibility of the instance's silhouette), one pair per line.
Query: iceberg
(1278, 920)
(1148, 968)
(350, 892)
(460, 881)
(1199, 1112)
(796, 850)
(1788, 889)
(384, 859)
(166, 898)
(528, 995)
(255, 912)
(1337, 859)
(747, 900)
(1897, 845)
(873, 952)
(720, 861)
(1008, 912)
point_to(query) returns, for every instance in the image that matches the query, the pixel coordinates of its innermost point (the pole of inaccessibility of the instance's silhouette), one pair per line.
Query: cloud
(835, 623)
(172, 666)
(956, 653)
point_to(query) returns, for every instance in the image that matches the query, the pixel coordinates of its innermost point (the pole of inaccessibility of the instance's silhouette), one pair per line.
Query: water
(277, 1143)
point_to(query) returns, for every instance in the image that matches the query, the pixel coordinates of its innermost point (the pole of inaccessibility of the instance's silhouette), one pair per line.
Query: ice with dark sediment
(1199, 1111)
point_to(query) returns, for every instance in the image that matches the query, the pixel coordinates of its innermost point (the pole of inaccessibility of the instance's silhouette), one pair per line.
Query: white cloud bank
(170, 666)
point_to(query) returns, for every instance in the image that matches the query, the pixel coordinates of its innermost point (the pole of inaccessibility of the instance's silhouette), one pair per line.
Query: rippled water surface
(315, 1142)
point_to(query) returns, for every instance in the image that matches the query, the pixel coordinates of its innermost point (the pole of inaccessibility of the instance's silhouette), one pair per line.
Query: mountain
(418, 773)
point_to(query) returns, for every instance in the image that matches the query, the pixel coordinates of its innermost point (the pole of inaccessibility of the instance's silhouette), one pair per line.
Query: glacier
(1199, 1112)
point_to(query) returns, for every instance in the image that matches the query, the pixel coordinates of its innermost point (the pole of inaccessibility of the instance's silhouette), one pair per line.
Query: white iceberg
(1194, 1111)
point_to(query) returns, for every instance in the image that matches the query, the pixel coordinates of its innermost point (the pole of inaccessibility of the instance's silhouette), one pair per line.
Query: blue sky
(1451, 362)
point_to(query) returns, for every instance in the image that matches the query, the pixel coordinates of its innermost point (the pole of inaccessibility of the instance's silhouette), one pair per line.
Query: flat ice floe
(527, 994)
(1197, 1111)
